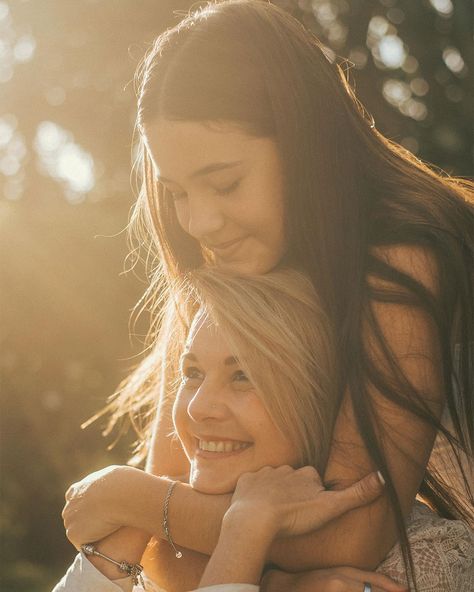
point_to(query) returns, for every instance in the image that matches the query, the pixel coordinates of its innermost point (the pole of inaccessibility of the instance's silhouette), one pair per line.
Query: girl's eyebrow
(210, 168)
(188, 356)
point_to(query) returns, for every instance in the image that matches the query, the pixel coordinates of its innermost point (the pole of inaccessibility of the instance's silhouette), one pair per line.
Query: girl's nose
(207, 403)
(204, 218)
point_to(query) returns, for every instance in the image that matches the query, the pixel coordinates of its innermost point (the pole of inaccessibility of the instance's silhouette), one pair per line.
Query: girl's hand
(273, 502)
(96, 506)
(289, 501)
(337, 579)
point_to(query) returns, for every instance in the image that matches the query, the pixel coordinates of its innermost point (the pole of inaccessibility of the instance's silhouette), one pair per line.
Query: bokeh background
(66, 121)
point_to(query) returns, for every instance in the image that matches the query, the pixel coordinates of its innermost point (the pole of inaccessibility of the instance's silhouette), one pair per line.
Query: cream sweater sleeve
(82, 576)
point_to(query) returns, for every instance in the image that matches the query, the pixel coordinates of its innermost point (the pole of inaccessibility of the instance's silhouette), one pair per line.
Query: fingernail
(380, 478)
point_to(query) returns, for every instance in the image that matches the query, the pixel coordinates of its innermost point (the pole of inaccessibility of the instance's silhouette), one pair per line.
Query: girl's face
(222, 424)
(227, 189)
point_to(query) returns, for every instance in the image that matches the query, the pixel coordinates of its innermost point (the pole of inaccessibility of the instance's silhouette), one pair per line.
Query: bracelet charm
(131, 569)
(166, 528)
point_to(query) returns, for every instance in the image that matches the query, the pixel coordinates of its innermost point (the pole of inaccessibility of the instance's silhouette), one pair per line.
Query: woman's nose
(207, 404)
(204, 217)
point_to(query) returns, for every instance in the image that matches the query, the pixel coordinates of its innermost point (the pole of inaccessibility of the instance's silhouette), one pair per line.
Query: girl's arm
(195, 519)
(408, 441)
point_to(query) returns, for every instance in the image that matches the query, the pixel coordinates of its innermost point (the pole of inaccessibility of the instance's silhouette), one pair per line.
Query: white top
(442, 550)
(82, 576)
(443, 554)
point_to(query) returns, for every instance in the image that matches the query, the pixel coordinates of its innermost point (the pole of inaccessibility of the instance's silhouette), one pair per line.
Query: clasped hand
(291, 501)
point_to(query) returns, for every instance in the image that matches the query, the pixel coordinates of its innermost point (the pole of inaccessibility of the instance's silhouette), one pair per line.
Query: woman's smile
(218, 449)
(217, 398)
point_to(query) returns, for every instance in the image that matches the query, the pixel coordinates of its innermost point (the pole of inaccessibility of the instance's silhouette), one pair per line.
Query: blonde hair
(275, 326)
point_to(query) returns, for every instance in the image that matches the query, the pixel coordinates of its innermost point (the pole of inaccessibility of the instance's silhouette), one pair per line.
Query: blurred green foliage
(65, 145)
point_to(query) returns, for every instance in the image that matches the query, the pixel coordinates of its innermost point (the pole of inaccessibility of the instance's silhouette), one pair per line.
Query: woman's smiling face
(223, 425)
(227, 188)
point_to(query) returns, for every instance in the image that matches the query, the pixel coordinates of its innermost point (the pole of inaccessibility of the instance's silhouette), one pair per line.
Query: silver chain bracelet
(166, 529)
(131, 569)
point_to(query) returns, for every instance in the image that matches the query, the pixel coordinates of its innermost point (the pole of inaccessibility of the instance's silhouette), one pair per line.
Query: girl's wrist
(259, 524)
(241, 551)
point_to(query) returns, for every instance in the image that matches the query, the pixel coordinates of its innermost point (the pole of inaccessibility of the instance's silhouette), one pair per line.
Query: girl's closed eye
(180, 195)
(229, 189)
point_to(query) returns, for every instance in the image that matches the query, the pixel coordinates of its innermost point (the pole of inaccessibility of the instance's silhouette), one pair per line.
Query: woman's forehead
(202, 326)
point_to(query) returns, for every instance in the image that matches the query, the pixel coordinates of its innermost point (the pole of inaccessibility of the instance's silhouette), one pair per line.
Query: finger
(359, 494)
(71, 538)
(351, 585)
(373, 578)
(309, 470)
(335, 583)
(359, 587)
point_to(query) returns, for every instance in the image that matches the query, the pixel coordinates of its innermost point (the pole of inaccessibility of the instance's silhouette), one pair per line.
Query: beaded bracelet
(166, 529)
(131, 569)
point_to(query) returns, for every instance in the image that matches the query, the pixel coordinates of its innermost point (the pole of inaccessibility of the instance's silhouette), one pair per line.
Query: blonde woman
(248, 384)
(250, 397)
(255, 152)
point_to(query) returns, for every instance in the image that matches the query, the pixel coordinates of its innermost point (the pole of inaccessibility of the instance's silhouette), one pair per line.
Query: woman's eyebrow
(230, 361)
(188, 356)
(210, 168)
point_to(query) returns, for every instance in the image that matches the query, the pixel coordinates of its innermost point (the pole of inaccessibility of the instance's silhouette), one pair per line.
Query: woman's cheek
(179, 412)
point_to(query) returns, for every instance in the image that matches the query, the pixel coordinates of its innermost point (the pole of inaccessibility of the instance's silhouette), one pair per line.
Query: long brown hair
(349, 191)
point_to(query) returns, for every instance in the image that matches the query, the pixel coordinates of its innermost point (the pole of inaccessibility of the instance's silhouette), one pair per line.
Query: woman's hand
(96, 506)
(289, 501)
(337, 579)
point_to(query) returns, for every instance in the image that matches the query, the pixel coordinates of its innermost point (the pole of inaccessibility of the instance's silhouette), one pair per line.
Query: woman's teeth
(219, 446)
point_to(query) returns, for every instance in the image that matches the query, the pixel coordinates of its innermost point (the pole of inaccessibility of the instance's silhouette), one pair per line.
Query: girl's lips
(226, 250)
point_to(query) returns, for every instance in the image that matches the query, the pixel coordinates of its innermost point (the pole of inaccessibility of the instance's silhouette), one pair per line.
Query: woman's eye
(191, 374)
(241, 379)
(240, 376)
(241, 382)
(229, 189)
